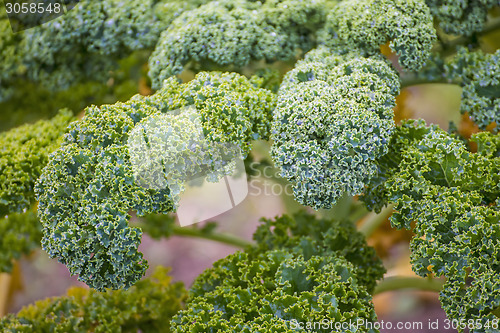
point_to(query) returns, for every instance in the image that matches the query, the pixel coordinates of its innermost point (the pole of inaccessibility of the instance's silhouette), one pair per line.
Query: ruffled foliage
(274, 292)
(86, 42)
(301, 270)
(229, 32)
(311, 236)
(332, 121)
(461, 17)
(168, 150)
(366, 25)
(452, 194)
(333, 134)
(21, 234)
(146, 307)
(479, 75)
(11, 53)
(24, 151)
(88, 187)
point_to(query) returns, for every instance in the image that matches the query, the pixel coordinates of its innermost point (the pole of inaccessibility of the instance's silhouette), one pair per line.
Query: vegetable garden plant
(310, 87)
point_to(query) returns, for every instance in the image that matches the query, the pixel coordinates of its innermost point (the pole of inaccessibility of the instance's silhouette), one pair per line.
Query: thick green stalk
(403, 282)
(340, 210)
(373, 221)
(219, 237)
(416, 81)
(358, 211)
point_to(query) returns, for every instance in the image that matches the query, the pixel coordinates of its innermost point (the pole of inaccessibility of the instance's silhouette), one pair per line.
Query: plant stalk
(405, 83)
(219, 237)
(403, 282)
(449, 47)
(5, 282)
(373, 221)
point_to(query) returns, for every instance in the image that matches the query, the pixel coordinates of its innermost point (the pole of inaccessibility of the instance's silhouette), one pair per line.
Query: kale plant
(310, 88)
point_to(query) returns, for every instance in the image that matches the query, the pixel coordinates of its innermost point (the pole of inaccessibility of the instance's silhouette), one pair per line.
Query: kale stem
(373, 221)
(340, 210)
(403, 282)
(416, 81)
(5, 284)
(358, 211)
(449, 47)
(218, 237)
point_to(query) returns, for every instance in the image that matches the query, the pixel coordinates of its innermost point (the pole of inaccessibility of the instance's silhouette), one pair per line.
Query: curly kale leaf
(12, 48)
(146, 307)
(24, 151)
(170, 149)
(20, 234)
(461, 17)
(23, 154)
(332, 121)
(479, 76)
(231, 32)
(376, 194)
(274, 292)
(452, 194)
(85, 43)
(88, 187)
(367, 25)
(305, 234)
(166, 11)
(302, 269)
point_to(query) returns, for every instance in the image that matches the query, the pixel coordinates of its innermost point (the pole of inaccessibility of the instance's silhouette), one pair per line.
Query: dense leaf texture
(170, 149)
(11, 53)
(461, 17)
(479, 75)
(146, 307)
(332, 121)
(452, 194)
(229, 32)
(315, 274)
(88, 188)
(21, 234)
(24, 151)
(271, 292)
(368, 24)
(85, 43)
(306, 234)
